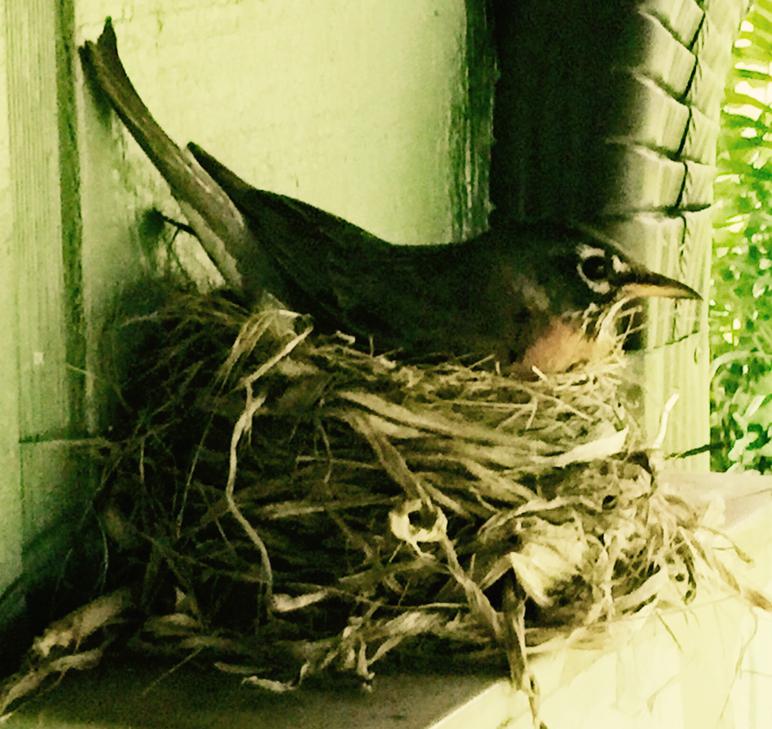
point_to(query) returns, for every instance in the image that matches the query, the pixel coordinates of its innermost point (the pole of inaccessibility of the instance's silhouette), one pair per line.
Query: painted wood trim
(41, 219)
(44, 310)
(11, 599)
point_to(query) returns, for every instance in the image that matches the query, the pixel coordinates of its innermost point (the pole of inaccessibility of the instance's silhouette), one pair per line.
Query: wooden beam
(42, 306)
(11, 599)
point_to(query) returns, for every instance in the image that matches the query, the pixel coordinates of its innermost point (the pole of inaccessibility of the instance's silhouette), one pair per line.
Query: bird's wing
(338, 268)
(308, 227)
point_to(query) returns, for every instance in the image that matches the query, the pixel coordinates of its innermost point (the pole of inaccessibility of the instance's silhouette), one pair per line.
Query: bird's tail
(218, 223)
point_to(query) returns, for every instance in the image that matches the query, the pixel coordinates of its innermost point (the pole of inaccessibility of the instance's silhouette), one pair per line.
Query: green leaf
(740, 275)
(752, 74)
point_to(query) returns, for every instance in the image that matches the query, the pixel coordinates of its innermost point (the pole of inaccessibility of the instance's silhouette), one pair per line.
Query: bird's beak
(647, 283)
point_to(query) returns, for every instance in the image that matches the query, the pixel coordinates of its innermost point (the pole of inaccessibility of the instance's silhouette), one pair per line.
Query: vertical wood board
(11, 602)
(42, 306)
(37, 219)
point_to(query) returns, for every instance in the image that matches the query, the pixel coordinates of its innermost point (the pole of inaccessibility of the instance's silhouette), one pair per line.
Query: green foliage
(741, 303)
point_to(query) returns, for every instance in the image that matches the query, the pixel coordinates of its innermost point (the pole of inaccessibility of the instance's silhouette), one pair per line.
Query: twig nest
(285, 503)
(290, 484)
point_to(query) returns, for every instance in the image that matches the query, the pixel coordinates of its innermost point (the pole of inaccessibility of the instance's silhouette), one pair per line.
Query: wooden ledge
(677, 669)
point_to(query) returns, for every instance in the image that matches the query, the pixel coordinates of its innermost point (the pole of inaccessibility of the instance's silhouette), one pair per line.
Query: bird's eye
(595, 268)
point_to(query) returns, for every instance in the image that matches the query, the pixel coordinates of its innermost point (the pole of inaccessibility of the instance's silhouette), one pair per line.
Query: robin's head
(607, 275)
(578, 307)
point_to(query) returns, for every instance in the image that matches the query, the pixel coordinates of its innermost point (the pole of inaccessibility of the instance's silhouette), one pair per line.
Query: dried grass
(288, 504)
(302, 497)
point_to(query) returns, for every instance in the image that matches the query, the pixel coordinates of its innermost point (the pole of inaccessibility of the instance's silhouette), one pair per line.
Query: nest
(283, 503)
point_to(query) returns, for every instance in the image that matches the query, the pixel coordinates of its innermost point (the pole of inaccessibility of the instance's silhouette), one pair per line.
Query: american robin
(535, 295)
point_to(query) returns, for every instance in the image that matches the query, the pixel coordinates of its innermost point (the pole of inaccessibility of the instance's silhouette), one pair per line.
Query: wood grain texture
(699, 142)
(682, 19)
(660, 56)
(11, 602)
(44, 301)
(659, 122)
(57, 488)
(471, 124)
(37, 220)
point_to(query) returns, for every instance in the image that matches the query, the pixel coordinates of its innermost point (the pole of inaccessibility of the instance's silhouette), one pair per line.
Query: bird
(533, 295)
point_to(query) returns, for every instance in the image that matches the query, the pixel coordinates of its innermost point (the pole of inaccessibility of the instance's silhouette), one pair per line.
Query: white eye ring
(585, 253)
(619, 265)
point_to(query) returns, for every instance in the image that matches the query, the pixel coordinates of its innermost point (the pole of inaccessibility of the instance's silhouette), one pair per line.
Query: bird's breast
(563, 343)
